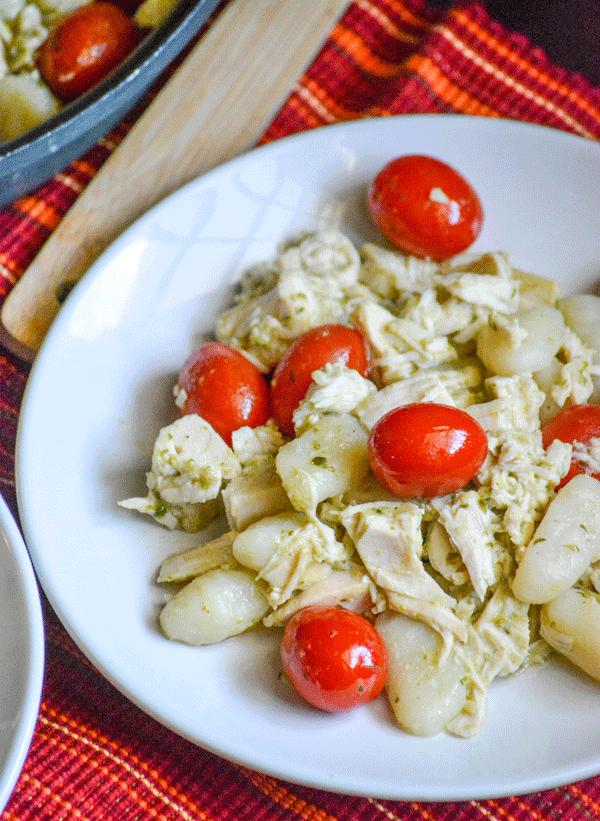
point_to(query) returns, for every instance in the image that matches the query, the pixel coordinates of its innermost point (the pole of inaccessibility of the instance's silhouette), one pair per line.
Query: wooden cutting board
(216, 106)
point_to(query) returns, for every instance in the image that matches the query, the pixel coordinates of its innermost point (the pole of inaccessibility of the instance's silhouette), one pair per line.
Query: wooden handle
(216, 105)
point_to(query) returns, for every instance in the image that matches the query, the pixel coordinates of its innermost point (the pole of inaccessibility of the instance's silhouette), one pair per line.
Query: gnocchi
(524, 342)
(565, 543)
(570, 623)
(214, 606)
(427, 688)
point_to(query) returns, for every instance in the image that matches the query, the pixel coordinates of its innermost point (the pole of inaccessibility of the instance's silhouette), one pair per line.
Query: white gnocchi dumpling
(570, 623)
(254, 495)
(565, 543)
(525, 342)
(582, 315)
(254, 547)
(426, 689)
(327, 460)
(213, 607)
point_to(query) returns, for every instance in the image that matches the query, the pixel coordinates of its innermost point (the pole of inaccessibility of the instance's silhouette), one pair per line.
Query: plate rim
(22, 736)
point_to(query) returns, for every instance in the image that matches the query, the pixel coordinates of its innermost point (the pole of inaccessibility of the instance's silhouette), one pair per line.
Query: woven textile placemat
(96, 756)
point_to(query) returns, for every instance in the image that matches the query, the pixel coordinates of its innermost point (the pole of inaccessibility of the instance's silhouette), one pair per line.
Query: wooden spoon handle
(216, 105)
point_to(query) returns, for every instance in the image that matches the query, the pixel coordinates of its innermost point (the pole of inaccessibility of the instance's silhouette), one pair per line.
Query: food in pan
(52, 51)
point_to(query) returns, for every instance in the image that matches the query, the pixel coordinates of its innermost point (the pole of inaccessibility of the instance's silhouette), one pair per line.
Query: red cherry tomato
(84, 47)
(225, 388)
(577, 424)
(425, 450)
(309, 352)
(334, 658)
(425, 207)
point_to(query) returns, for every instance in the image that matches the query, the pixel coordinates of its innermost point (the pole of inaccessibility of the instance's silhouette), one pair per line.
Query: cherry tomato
(225, 388)
(334, 658)
(309, 352)
(577, 424)
(426, 449)
(425, 207)
(84, 47)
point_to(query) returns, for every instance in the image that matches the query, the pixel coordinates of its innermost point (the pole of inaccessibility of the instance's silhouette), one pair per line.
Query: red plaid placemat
(94, 755)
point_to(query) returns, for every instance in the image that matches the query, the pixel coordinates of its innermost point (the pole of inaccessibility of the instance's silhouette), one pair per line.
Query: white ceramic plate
(101, 388)
(21, 653)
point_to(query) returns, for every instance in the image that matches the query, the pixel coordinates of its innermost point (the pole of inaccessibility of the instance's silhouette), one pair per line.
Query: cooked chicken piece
(471, 527)
(289, 552)
(190, 463)
(250, 443)
(445, 386)
(198, 560)
(256, 494)
(350, 588)
(335, 389)
(486, 290)
(390, 273)
(389, 542)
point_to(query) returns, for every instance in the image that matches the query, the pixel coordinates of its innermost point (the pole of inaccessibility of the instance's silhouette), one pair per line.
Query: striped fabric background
(94, 755)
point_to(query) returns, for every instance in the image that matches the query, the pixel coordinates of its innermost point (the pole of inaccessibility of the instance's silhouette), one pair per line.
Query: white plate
(101, 388)
(21, 653)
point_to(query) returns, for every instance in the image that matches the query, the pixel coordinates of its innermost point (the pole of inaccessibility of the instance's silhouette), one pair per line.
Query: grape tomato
(84, 47)
(579, 424)
(425, 207)
(426, 449)
(225, 388)
(334, 658)
(309, 352)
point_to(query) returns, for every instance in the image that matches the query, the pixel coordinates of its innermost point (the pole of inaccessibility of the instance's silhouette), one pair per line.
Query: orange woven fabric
(95, 756)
